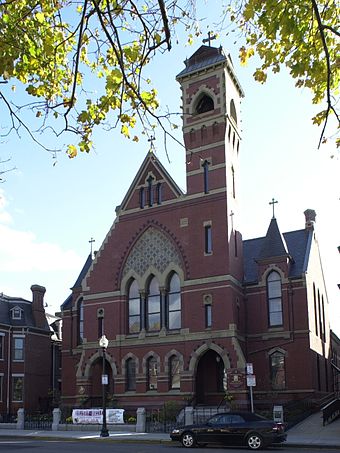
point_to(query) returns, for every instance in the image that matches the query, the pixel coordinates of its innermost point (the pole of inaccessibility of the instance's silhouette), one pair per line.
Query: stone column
(56, 419)
(21, 419)
(141, 420)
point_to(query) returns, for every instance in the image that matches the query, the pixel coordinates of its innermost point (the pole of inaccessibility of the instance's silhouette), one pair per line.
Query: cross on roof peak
(273, 202)
(211, 37)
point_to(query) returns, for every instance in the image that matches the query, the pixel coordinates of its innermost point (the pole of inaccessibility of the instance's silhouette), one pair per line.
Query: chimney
(38, 309)
(310, 215)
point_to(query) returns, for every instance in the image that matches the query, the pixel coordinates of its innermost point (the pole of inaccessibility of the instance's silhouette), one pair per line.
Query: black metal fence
(38, 421)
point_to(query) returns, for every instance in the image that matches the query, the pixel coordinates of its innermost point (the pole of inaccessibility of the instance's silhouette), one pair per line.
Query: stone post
(189, 415)
(56, 419)
(141, 420)
(21, 419)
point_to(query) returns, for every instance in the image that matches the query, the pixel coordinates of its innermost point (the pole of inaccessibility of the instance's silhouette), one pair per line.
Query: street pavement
(309, 433)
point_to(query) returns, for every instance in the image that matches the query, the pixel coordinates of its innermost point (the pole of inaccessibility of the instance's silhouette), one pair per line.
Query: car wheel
(188, 440)
(255, 442)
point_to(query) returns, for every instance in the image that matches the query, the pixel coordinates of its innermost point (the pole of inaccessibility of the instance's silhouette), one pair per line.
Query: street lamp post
(103, 342)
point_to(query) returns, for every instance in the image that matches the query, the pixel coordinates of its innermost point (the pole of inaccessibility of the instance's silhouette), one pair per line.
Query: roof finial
(211, 37)
(151, 140)
(273, 202)
(91, 241)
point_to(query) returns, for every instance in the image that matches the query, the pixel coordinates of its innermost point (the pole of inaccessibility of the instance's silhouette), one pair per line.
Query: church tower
(211, 95)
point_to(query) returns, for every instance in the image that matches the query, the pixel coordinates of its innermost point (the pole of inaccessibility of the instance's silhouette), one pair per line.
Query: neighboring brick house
(181, 298)
(29, 348)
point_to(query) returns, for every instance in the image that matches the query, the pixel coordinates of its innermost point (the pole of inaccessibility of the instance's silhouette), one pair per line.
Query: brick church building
(186, 303)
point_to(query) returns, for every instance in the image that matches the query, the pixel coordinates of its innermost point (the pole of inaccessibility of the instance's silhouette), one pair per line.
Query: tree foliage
(82, 62)
(304, 36)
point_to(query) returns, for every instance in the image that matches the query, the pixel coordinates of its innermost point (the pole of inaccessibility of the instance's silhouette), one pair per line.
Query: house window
(80, 321)
(315, 312)
(206, 176)
(208, 315)
(274, 299)
(208, 239)
(18, 349)
(277, 371)
(153, 306)
(174, 303)
(152, 373)
(16, 313)
(134, 308)
(130, 375)
(174, 378)
(2, 339)
(17, 388)
(100, 327)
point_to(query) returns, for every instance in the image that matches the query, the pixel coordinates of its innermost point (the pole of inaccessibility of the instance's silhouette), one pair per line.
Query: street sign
(249, 367)
(105, 379)
(251, 380)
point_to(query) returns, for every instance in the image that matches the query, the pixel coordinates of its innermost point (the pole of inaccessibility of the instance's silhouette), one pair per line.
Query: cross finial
(211, 37)
(151, 140)
(273, 202)
(91, 241)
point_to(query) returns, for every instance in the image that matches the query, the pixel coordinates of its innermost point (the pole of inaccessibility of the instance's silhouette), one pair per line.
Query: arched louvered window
(274, 295)
(204, 104)
(233, 113)
(153, 306)
(174, 302)
(134, 308)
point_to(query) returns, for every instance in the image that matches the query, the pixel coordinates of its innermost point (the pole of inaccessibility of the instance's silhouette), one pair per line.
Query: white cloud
(21, 251)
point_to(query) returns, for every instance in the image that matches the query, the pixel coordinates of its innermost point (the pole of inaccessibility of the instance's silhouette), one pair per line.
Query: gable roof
(150, 161)
(298, 246)
(83, 272)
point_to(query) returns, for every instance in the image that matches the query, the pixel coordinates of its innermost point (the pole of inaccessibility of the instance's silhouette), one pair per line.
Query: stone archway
(96, 389)
(209, 379)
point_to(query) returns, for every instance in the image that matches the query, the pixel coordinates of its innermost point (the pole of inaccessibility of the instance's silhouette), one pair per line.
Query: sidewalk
(309, 433)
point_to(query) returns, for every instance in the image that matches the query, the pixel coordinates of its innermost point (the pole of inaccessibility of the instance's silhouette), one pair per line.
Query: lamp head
(103, 342)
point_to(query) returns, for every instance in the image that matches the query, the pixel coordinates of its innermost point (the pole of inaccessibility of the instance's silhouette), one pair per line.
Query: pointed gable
(274, 244)
(151, 186)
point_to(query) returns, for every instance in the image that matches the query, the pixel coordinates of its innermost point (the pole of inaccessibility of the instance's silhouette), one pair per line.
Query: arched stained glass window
(174, 303)
(134, 308)
(277, 371)
(174, 374)
(153, 306)
(152, 373)
(80, 321)
(130, 374)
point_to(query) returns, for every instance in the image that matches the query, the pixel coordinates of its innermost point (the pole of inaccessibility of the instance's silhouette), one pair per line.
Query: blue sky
(48, 213)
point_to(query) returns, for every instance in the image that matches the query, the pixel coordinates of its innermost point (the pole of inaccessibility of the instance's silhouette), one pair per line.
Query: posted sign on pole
(251, 380)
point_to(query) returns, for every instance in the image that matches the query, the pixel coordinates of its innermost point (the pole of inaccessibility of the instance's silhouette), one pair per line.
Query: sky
(49, 210)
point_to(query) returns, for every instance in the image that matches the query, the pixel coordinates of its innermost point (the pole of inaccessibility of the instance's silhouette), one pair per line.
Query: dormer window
(204, 104)
(16, 313)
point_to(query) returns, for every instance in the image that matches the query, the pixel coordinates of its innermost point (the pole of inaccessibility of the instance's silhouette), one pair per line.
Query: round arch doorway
(209, 379)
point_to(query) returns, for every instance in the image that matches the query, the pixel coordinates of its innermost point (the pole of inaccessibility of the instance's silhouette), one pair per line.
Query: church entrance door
(209, 379)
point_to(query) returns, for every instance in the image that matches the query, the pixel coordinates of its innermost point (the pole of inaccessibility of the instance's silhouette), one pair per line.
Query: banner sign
(95, 416)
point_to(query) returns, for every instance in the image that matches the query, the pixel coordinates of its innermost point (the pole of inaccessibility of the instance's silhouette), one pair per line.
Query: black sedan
(232, 428)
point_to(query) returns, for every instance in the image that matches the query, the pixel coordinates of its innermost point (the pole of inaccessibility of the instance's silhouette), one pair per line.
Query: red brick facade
(166, 344)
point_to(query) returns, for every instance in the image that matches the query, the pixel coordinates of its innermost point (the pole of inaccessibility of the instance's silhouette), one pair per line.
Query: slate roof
(298, 244)
(68, 302)
(203, 57)
(274, 244)
(7, 303)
